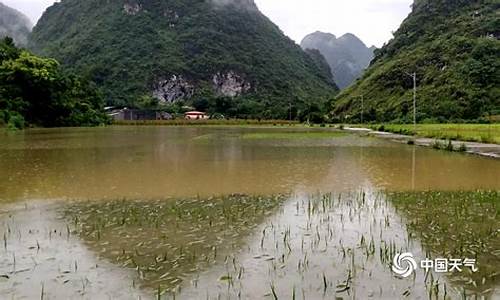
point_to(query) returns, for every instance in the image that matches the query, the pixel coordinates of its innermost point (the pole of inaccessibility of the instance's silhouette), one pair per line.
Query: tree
(38, 91)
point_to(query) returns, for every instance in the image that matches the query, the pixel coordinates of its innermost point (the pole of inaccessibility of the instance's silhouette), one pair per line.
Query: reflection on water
(40, 259)
(167, 161)
(320, 246)
(166, 241)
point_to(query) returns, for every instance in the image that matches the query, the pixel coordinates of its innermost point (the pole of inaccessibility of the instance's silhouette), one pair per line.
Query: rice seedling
(314, 246)
(457, 225)
(140, 234)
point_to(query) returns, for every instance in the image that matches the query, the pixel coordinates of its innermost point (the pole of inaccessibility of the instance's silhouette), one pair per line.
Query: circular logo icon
(404, 264)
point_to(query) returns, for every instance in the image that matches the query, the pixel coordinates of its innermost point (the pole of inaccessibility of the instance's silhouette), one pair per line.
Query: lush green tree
(36, 91)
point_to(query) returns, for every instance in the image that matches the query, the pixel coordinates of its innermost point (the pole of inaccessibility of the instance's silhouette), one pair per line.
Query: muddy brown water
(289, 250)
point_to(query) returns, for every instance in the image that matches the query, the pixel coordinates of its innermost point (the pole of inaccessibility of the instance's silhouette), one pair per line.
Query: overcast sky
(371, 20)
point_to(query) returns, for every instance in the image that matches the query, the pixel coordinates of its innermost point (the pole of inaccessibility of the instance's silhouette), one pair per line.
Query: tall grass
(482, 133)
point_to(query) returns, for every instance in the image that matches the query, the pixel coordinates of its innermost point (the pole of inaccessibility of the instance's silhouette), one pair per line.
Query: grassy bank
(183, 122)
(483, 133)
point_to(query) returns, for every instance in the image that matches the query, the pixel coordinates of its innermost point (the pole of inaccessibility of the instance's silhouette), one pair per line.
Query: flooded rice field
(242, 213)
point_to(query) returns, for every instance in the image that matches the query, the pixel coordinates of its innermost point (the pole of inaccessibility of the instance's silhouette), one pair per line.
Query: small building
(195, 115)
(126, 114)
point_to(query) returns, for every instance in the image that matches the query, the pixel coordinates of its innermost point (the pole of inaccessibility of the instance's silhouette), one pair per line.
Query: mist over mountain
(347, 55)
(453, 47)
(14, 24)
(222, 55)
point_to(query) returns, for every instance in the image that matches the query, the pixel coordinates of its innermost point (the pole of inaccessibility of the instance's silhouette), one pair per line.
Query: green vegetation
(457, 225)
(453, 46)
(294, 135)
(129, 49)
(166, 240)
(320, 245)
(35, 91)
(483, 133)
(211, 122)
(170, 241)
(320, 62)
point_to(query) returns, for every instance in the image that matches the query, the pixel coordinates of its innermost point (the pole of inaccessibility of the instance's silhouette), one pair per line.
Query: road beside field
(482, 149)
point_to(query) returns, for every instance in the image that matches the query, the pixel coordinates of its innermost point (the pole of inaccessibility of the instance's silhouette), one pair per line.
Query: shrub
(16, 121)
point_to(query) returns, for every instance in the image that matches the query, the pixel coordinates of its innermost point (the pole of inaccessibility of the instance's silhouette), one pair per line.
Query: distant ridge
(14, 24)
(347, 55)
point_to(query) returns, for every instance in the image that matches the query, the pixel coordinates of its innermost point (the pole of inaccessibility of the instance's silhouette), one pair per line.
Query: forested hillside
(220, 56)
(454, 48)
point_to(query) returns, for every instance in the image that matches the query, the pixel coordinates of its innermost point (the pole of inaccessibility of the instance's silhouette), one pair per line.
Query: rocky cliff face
(177, 88)
(230, 84)
(347, 55)
(183, 50)
(14, 24)
(174, 89)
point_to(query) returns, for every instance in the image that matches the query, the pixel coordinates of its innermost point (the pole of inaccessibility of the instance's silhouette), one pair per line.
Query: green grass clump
(293, 135)
(456, 225)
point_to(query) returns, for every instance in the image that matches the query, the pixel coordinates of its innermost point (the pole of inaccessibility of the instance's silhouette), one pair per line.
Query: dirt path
(486, 150)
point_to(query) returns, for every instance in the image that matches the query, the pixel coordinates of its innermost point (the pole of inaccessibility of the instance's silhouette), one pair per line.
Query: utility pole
(414, 77)
(414, 102)
(362, 108)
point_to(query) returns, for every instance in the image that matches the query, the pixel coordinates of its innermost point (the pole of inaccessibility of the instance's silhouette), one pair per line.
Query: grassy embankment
(483, 133)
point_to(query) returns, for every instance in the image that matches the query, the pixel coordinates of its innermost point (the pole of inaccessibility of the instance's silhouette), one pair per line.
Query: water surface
(152, 162)
(252, 213)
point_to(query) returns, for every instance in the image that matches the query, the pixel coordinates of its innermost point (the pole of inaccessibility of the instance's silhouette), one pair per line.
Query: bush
(16, 121)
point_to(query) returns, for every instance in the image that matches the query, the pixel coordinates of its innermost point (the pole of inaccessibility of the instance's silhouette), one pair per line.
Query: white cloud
(371, 20)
